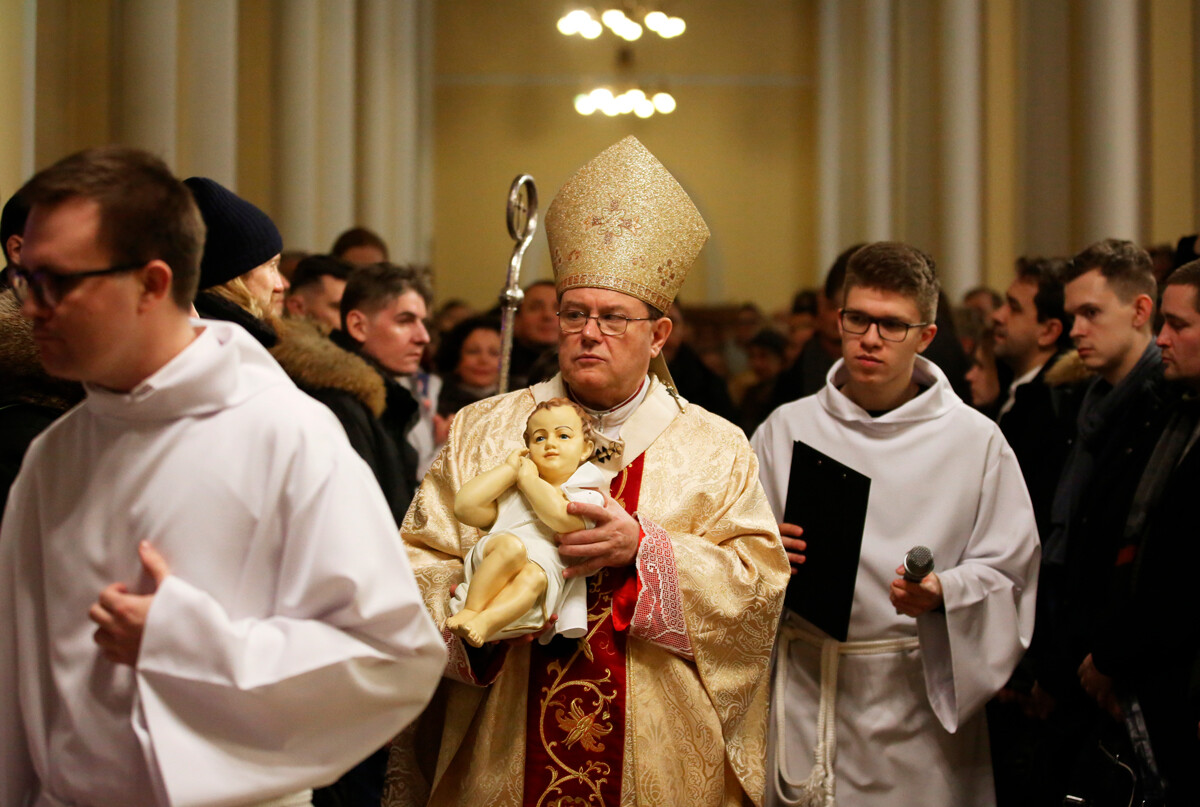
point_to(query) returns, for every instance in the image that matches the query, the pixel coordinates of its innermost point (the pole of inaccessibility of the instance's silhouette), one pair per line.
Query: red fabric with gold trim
(575, 721)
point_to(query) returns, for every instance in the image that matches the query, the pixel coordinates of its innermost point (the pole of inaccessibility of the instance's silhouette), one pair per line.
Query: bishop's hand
(121, 616)
(612, 542)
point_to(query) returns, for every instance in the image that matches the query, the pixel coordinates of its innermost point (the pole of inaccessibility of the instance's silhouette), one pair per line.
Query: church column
(877, 120)
(375, 117)
(961, 145)
(829, 145)
(296, 159)
(405, 118)
(18, 40)
(336, 125)
(208, 78)
(147, 67)
(1109, 183)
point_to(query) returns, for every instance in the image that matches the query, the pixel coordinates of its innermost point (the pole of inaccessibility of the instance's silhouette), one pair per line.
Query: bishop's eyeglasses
(892, 330)
(574, 321)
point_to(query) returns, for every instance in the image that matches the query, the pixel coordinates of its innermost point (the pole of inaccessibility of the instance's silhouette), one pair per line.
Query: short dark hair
(371, 287)
(311, 268)
(835, 281)
(450, 348)
(1047, 274)
(12, 220)
(893, 266)
(1126, 266)
(1186, 275)
(993, 295)
(770, 340)
(357, 237)
(146, 212)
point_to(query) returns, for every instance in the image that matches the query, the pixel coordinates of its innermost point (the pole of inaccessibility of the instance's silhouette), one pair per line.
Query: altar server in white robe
(203, 594)
(902, 698)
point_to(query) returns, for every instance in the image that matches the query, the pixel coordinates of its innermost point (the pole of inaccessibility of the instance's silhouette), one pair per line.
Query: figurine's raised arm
(475, 502)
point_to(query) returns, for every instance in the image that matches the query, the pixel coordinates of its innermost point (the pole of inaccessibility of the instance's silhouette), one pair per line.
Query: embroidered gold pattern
(586, 718)
(619, 496)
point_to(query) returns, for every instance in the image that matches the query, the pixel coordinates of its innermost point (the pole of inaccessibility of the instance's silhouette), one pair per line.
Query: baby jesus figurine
(514, 574)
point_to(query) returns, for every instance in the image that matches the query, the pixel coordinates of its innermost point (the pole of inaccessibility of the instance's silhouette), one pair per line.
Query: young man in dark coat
(1110, 291)
(1143, 661)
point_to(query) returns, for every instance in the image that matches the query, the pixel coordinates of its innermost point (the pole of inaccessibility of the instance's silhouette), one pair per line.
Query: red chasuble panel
(575, 726)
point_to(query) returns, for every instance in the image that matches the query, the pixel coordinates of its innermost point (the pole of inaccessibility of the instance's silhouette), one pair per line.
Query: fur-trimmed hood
(314, 362)
(1067, 368)
(22, 379)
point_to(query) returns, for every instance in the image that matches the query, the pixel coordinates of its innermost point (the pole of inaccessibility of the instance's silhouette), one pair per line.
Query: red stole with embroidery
(575, 720)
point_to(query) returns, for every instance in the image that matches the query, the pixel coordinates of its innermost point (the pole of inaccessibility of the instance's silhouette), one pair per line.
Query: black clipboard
(829, 500)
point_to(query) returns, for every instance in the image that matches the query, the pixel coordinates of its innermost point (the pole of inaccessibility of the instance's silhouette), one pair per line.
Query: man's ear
(1143, 311)
(12, 248)
(927, 334)
(356, 325)
(1049, 332)
(293, 304)
(156, 284)
(660, 329)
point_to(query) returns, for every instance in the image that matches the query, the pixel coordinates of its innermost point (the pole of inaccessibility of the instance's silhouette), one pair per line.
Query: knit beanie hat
(240, 236)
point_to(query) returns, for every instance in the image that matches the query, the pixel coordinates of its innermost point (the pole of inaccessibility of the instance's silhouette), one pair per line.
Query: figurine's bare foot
(456, 622)
(472, 634)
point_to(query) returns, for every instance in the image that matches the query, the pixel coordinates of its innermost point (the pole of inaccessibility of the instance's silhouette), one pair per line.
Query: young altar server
(901, 722)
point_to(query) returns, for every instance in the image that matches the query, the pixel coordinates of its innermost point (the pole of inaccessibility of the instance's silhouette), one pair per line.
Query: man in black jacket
(1110, 291)
(1031, 331)
(1143, 662)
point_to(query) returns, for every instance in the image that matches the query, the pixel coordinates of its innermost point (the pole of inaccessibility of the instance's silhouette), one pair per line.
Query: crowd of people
(256, 500)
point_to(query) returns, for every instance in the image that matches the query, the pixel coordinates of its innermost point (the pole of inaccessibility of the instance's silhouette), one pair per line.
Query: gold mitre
(624, 223)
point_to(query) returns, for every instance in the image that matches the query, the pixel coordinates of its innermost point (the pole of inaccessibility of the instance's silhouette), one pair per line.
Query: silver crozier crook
(522, 224)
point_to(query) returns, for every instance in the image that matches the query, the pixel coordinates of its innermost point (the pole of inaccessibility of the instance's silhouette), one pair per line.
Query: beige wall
(740, 142)
(496, 100)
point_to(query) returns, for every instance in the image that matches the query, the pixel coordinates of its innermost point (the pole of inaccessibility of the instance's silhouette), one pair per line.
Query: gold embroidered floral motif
(582, 727)
(614, 221)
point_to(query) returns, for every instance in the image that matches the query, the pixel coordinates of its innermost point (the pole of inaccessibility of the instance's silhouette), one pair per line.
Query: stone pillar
(877, 120)
(336, 123)
(1109, 180)
(829, 145)
(147, 69)
(961, 145)
(208, 68)
(296, 129)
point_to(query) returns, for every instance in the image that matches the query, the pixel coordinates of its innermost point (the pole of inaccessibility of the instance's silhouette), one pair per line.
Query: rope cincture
(819, 788)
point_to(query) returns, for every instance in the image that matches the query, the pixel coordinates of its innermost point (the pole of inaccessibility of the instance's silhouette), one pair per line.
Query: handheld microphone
(917, 564)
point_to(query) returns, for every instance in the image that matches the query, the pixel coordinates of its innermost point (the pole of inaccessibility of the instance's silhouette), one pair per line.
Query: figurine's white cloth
(910, 730)
(567, 598)
(289, 640)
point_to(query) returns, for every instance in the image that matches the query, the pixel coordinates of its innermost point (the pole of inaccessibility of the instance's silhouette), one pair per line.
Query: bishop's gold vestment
(712, 570)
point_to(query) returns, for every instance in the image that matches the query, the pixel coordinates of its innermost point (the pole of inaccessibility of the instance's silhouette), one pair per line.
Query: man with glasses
(204, 599)
(900, 701)
(664, 701)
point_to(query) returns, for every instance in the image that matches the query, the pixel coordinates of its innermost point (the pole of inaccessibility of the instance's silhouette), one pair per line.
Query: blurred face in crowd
(827, 326)
(1020, 339)
(320, 301)
(1180, 335)
(395, 335)
(88, 333)
(267, 285)
(603, 371)
(363, 255)
(985, 384)
(536, 323)
(1106, 329)
(879, 369)
(982, 302)
(764, 363)
(479, 363)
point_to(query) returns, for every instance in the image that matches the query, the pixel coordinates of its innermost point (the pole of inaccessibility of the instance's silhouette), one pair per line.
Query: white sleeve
(17, 775)
(971, 650)
(245, 710)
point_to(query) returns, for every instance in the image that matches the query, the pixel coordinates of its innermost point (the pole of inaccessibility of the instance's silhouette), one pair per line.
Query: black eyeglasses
(609, 324)
(49, 288)
(893, 330)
